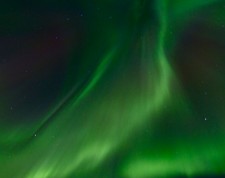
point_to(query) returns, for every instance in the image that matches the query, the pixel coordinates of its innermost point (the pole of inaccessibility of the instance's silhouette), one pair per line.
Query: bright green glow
(182, 160)
(114, 106)
(98, 141)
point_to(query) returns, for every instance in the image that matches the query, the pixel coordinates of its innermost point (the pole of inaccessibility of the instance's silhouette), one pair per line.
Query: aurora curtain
(112, 89)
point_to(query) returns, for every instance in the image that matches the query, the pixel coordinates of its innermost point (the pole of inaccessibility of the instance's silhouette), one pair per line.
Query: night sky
(112, 89)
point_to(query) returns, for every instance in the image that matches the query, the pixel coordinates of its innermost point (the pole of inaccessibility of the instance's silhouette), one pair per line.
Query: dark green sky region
(112, 89)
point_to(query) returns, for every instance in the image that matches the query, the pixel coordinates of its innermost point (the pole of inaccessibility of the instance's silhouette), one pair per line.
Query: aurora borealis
(112, 89)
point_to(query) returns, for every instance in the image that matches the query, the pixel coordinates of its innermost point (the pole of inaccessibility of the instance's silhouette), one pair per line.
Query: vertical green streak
(101, 69)
(182, 160)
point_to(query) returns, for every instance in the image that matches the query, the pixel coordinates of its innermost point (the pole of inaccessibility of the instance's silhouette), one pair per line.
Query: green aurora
(131, 110)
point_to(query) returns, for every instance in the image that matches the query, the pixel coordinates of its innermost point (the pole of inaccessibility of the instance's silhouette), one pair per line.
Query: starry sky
(112, 89)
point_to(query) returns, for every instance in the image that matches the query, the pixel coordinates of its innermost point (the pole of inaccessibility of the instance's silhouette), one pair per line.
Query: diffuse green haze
(127, 91)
